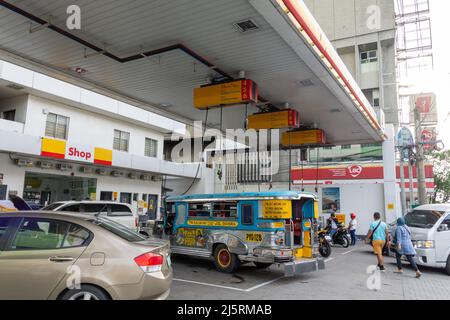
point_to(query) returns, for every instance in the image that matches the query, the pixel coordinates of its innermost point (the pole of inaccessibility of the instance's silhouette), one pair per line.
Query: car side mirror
(443, 227)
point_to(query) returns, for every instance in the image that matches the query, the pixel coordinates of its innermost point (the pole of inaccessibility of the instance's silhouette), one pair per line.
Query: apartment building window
(56, 126)
(151, 148)
(369, 56)
(121, 140)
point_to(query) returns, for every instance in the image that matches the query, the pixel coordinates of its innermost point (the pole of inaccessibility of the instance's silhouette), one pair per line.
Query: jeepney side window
(225, 210)
(181, 214)
(199, 210)
(247, 214)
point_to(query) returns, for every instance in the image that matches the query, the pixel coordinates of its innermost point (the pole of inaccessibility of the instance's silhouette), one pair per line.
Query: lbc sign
(80, 153)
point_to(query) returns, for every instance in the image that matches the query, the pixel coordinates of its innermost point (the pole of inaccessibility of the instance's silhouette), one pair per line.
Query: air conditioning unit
(45, 165)
(24, 163)
(101, 172)
(132, 175)
(146, 177)
(87, 169)
(65, 167)
(117, 174)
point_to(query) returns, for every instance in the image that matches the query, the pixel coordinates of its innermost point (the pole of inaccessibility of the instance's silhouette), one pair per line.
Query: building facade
(61, 142)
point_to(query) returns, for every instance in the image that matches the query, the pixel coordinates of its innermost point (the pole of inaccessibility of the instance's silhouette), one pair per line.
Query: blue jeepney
(261, 227)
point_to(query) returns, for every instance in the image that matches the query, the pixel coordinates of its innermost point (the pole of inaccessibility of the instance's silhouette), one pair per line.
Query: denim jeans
(410, 259)
(353, 236)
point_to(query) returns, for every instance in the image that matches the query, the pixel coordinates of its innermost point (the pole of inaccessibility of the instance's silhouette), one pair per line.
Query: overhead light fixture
(45, 165)
(305, 83)
(117, 174)
(79, 70)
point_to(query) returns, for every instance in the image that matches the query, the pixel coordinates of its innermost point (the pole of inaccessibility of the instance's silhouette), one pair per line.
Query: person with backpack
(378, 237)
(404, 247)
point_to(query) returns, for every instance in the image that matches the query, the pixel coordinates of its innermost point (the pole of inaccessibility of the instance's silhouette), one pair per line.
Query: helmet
(353, 216)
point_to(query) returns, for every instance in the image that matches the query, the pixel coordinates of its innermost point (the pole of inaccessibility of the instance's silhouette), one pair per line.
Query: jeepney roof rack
(267, 195)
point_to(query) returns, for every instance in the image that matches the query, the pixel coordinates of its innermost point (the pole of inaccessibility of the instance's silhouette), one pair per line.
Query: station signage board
(61, 149)
(276, 209)
(303, 137)
(274, 120)
(225, 94)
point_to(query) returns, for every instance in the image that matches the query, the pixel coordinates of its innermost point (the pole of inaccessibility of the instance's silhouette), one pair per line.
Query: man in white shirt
(352, 228)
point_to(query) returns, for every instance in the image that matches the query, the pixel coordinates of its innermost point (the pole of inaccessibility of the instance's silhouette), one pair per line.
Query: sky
(440, 80)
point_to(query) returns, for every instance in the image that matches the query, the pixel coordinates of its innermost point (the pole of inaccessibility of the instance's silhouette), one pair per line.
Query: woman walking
(404, 247)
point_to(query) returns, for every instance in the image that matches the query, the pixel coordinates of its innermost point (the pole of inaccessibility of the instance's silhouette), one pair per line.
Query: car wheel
(262, 265)
(447, 266)
(86, 292)
(224, 260)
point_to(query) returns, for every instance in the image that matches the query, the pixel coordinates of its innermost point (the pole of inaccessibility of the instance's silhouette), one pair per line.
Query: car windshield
(118, 229)
(52, 206)
(424, 219)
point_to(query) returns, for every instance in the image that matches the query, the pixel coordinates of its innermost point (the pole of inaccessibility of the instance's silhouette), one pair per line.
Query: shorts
(378, 246)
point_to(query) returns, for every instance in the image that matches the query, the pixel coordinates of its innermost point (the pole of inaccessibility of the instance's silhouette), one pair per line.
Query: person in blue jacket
(404, 247)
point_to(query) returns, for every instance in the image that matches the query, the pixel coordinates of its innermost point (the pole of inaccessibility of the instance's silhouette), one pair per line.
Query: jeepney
(261, 227)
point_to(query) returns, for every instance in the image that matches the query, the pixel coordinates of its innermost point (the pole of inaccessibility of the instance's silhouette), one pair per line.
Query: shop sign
(331, 200)
(211, 223)
(340, 218)
(61, 149)
(277, 209)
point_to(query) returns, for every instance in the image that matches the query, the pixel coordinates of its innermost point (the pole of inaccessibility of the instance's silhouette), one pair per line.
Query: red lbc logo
(75, 153)
(355, 170)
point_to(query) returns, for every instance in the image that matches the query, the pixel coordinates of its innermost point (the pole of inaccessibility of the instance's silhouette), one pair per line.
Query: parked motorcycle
(324, 243)
(341, 236)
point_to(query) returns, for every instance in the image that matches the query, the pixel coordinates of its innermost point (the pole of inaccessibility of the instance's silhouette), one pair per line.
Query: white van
(430, 233)
(120, 212)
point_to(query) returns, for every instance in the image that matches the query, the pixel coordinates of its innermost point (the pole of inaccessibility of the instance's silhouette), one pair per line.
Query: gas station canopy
(156, 52)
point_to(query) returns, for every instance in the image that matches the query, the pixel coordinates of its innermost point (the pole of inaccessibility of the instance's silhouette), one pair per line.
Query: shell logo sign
(60, 149)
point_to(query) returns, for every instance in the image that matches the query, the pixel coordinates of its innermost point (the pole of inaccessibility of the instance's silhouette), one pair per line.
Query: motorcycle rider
(332, 224)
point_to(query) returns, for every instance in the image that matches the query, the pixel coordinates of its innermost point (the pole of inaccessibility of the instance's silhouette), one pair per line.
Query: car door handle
(60, 259)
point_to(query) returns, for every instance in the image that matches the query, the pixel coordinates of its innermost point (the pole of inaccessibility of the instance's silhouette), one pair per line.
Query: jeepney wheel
(262, 265)
(224, 260)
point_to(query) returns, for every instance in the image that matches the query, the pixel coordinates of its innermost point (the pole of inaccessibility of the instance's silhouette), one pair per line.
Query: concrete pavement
(346, 277)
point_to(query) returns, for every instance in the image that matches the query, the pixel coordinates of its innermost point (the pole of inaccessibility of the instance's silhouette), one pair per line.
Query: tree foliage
(441, 163)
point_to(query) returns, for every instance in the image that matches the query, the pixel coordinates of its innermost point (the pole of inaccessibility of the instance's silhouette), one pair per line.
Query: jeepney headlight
(425, 244)
(279, 238)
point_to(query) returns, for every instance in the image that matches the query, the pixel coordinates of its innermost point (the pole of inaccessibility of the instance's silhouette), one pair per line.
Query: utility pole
(420, 158)
(402, 181)
(411, 184)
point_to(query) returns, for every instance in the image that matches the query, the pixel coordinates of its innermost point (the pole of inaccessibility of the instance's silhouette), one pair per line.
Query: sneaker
(382, 268)
(418, 274)
(398, 271)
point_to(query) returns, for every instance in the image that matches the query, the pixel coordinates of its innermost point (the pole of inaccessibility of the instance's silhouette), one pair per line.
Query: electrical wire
(199, 163)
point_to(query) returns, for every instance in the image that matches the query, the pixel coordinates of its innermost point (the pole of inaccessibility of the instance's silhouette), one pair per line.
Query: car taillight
(150, 262)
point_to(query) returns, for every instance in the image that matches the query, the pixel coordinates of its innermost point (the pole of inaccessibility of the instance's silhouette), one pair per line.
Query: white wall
(88, 128)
